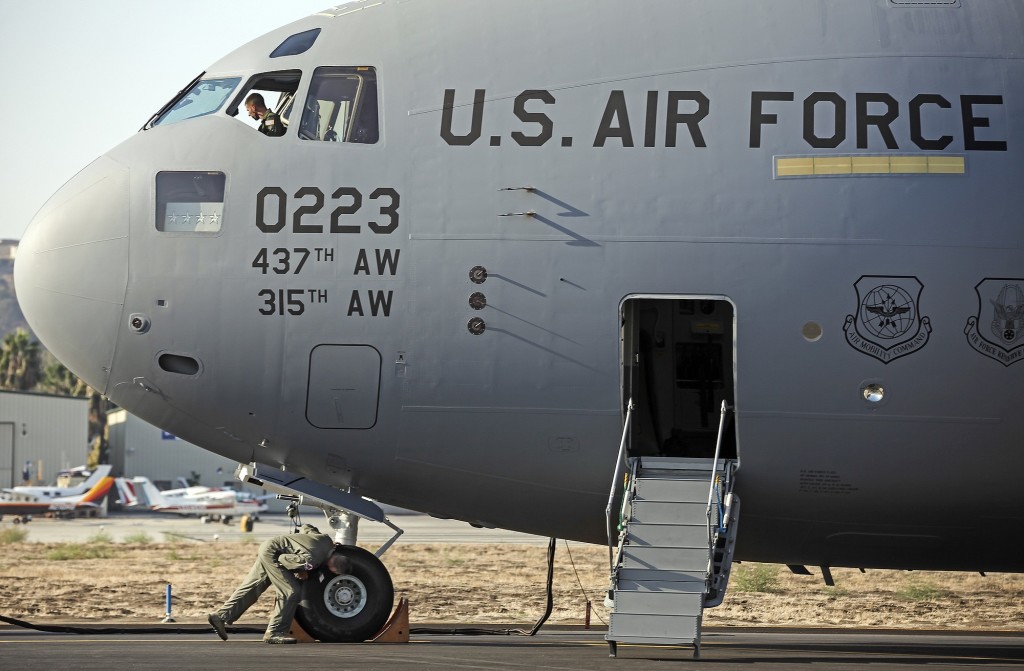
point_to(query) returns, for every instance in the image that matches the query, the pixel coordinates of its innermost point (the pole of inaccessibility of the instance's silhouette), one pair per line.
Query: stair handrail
(620, 463)
(714, 468)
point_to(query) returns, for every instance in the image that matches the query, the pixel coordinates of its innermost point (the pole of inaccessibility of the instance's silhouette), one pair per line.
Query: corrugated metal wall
(49, 432)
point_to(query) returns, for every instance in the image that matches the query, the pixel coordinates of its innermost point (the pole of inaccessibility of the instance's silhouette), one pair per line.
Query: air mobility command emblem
(887, 324)
(997, 331)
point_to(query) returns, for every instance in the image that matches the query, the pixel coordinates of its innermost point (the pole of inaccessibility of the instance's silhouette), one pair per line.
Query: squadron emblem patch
(887, 324)
(997, 330)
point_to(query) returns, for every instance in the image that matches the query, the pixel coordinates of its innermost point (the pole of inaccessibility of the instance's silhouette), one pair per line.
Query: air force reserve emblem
(1001, 309)
(888, 324)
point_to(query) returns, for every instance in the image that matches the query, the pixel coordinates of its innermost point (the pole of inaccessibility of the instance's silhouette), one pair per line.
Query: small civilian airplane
(507, 251)
(83, 478)
(208, 503)
(23, 507)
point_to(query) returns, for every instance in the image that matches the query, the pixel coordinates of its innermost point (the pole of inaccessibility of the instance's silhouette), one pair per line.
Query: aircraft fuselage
(439, 319)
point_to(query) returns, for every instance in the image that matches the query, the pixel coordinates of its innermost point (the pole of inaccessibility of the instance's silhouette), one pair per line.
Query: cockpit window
(265, 102)
(189, 202)
(298, 43)
(341, 106)
(204, 97)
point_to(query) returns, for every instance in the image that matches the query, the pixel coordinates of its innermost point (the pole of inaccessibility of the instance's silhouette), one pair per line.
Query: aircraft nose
(71, 269)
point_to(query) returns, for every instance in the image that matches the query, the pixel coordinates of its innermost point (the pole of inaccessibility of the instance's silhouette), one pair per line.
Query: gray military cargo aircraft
(588, 269)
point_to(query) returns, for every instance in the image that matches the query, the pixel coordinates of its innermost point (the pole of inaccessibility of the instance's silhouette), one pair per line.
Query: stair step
(656, 558)
(668, 575)
(668, 535)
(664, 512)
(651, 640)
(658, 603)
(658, 489)
(695, 586)
(624, 627)
(679, 464)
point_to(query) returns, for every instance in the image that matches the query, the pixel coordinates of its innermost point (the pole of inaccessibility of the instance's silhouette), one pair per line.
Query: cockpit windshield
(204, 97)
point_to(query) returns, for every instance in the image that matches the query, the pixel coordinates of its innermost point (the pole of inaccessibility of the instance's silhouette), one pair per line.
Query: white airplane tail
(92, 498)
(101, 471)
(152, 495)
(127, 492)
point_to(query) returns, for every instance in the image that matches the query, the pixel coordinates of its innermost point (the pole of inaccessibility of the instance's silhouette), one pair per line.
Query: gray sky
(84, 75)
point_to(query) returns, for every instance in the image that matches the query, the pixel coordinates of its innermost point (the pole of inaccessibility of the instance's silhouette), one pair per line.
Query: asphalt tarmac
(555, 649)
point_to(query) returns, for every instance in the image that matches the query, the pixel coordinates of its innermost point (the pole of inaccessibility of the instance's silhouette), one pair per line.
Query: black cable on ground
(64, 629)
(551, 600)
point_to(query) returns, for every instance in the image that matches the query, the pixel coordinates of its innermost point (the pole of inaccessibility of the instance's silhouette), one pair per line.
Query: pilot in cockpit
(270, 123)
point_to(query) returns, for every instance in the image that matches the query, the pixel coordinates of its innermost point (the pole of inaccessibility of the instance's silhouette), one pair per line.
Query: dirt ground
(488, 584)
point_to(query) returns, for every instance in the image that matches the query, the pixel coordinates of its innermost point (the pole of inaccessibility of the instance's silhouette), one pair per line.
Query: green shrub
(138, 538)
(81, 551)
(101, 537)
(756, 578)
(916, 590)
(13, 535)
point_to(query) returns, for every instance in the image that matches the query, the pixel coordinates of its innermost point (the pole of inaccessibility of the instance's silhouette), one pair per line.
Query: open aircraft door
(678, 365)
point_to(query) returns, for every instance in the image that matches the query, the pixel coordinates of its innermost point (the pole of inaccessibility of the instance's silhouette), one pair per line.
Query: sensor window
(190, 202)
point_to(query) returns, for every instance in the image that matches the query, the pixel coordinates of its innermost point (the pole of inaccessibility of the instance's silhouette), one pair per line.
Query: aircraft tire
(347, 608)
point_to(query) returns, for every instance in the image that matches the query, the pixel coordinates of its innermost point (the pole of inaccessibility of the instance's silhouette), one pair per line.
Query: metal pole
(168, 617)
(620, 460)
(714, 467)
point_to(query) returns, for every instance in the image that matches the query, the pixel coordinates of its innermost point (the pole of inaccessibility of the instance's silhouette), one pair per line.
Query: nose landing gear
(336, 608)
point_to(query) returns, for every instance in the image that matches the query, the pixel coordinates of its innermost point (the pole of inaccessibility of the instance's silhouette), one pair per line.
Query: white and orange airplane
(23, 507)
(79, 480)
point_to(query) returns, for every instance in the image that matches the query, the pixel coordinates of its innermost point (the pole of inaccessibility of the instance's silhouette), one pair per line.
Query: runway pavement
(161, 526)
(555, 649)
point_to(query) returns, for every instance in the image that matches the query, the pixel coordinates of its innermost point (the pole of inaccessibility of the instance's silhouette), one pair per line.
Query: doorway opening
(678, 365)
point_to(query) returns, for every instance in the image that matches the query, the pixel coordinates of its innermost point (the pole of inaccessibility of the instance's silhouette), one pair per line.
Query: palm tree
(59, 380)
(99, 451)
(20, 367)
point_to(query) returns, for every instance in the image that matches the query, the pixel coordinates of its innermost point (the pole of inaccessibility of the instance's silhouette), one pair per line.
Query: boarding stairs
(676, 534)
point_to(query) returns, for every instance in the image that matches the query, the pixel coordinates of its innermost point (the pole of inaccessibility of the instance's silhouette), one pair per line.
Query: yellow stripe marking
(871, 165)
(861, 164)
(792, 167)
(946, 165)
(909, 164)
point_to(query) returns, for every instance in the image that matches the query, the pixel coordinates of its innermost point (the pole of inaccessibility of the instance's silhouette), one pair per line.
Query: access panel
(344, 386)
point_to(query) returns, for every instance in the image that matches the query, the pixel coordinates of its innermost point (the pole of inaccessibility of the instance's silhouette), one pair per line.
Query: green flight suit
(276, 563)
(272, 125)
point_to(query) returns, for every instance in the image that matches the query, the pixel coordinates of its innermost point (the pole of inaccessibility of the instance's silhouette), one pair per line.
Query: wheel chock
(300, 634)
(396, 629)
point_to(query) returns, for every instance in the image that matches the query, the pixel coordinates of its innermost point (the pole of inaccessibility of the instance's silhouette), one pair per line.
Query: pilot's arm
(296, 561)
(300, 561)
